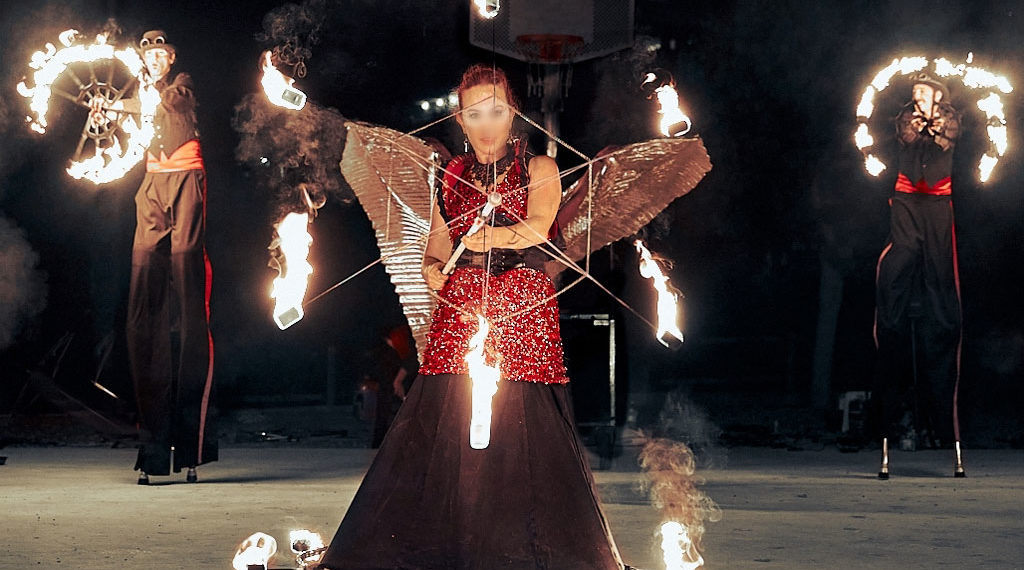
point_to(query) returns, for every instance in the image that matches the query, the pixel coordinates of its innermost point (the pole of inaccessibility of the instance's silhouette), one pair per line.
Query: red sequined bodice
(524, 340)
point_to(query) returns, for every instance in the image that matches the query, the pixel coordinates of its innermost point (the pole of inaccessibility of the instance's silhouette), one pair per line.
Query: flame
(985, 166)
(671, 114)
(867, 103)
(677, 549)
(279, 88)
(862, 137)
(257, 550)
(485, 385)
(978, 78)
(488, 9)
(671, 468)
(903, 66)
(667, 298)
(308, 546)
(945, 68)
(290, 287)
(873, 165)
(110, 163)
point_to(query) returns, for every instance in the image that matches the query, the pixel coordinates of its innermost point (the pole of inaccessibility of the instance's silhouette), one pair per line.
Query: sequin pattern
(462, 198)
(525, 344)
(527, 347)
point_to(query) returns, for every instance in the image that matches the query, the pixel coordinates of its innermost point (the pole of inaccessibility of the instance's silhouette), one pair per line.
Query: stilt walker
(171, 277)
(918, 268)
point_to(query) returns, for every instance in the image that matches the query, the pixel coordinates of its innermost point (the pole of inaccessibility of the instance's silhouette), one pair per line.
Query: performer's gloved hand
(432, 273)
(96, 115)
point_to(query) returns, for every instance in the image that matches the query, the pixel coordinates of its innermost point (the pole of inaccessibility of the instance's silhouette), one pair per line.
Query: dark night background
(786, 216)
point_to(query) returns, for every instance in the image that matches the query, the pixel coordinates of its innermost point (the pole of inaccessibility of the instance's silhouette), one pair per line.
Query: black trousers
(918, 291)
(170, 285)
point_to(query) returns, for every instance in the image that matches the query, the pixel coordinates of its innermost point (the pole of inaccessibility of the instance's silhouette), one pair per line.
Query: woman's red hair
(479, 74)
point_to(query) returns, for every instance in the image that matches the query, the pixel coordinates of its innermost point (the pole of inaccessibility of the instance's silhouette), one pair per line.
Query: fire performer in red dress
(527, 500)
(918, 286)
(170, 278)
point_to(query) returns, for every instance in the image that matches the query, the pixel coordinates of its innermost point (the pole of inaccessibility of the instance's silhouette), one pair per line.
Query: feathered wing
(392, 176)
(632, 185)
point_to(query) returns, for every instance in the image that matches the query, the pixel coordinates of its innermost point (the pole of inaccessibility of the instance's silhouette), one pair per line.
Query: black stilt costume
(170, 288)
(918, 280)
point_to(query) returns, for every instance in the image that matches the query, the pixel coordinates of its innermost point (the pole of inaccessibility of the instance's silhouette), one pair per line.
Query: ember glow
(668, 330)
(126, 148)
(487, 9)
(307, 546)
(485, 386)
(677, 549)
(972, 76)
(257, 550)
(289, 290)
(279, 88)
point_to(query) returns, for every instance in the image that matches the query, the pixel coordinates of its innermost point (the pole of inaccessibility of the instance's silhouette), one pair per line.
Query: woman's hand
(481, 241)
(432, 273)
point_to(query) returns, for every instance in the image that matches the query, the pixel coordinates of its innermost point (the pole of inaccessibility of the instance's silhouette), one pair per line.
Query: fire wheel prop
(112, 144)
(975, 78)
(103, 134)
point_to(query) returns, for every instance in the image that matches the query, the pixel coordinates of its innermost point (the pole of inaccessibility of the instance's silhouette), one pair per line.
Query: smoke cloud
(672, 471)
(22, 284)
(292, 149)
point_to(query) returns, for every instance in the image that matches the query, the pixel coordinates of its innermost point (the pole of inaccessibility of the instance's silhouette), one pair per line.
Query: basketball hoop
(548, 48)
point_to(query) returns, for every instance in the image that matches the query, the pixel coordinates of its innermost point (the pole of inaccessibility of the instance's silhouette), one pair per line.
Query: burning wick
(488, 8)
(279, 88)
(307, 546)
(677, 548)
(290, 287)
(255, 552)
(674, 123)
(485, 385)
(668, 332)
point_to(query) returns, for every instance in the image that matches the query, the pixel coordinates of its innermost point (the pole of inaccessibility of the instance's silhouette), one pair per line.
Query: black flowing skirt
(430, 501)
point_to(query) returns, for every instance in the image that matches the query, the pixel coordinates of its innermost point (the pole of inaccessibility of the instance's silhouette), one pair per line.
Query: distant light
(264, 160)
(439, 102)
(453, 99)
(425, 105)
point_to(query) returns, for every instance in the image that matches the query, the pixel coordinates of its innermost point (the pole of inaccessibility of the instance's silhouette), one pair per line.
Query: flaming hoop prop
(293, 241)
(668, 331)
(279, 88)
(972, 77)
(485, 386)
(121, 140)
(255, 551)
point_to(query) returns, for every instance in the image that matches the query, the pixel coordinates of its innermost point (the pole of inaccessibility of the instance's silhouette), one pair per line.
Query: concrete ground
(79, 508)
